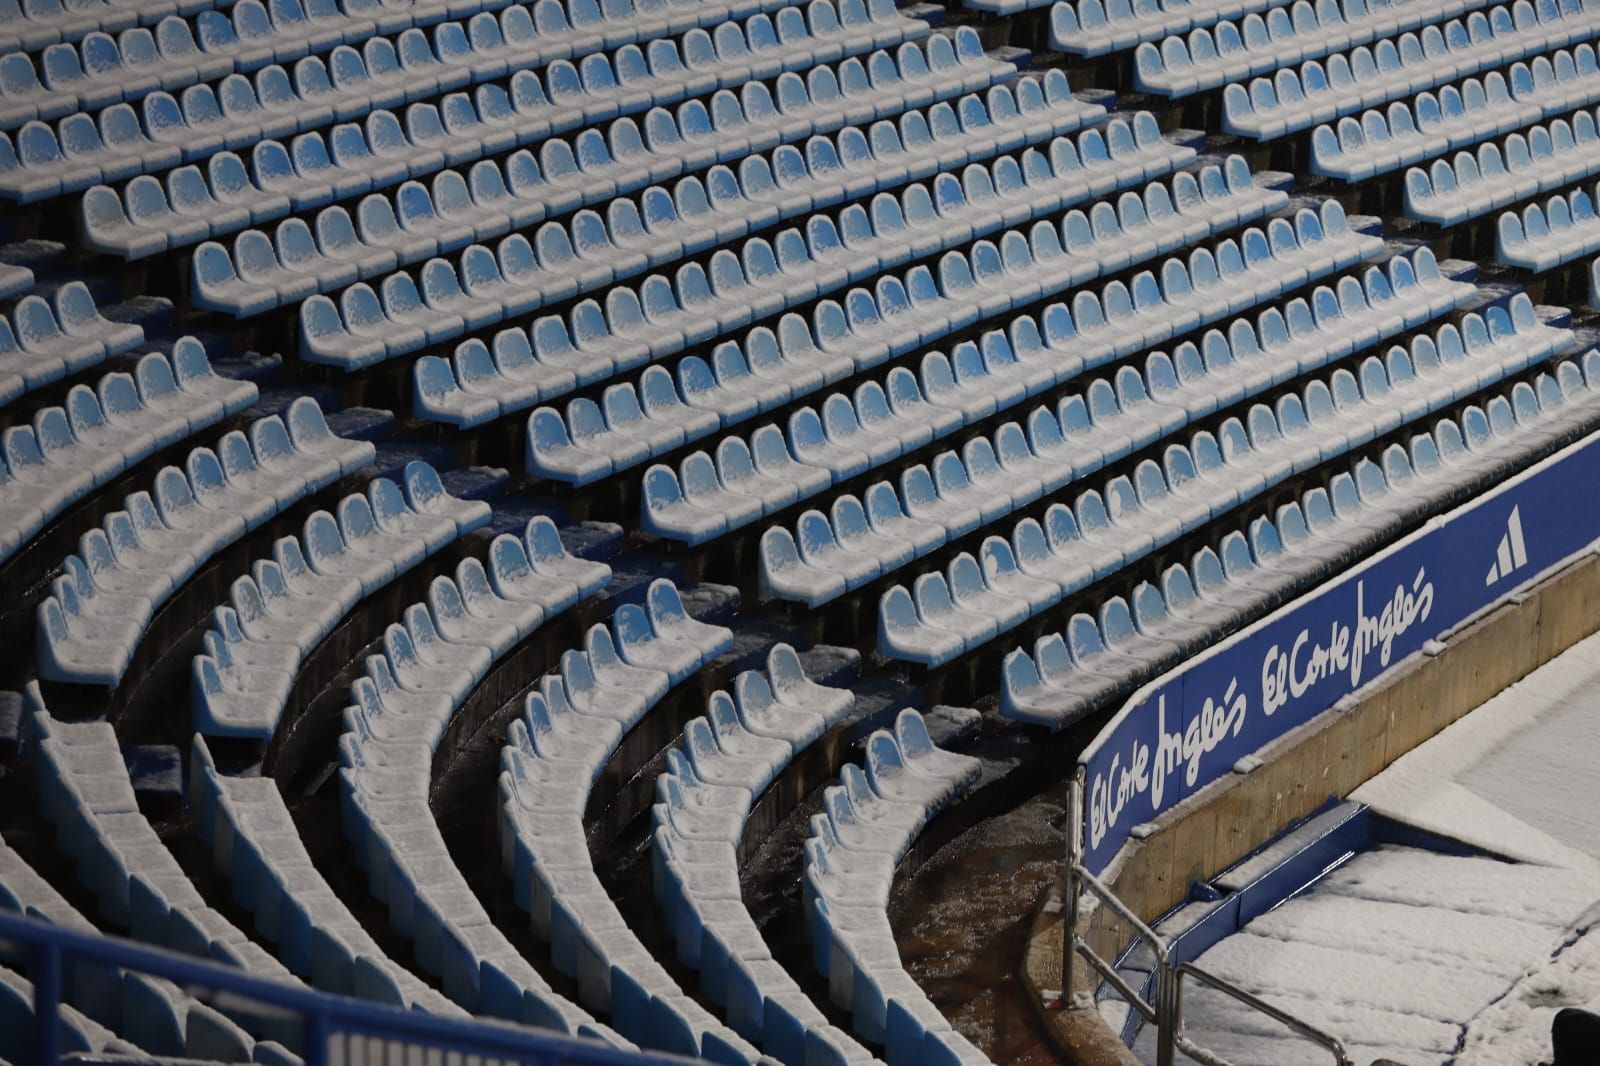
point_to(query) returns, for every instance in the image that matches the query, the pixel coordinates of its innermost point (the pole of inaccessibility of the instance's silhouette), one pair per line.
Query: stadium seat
(45, 341)
(202, 507)
(1209, 57)
(1321, 90)
(850, 855)
(695, 873)
(294, 600)
(256, 846)
(1381, 141)
(1542, 238)
(1472, 184)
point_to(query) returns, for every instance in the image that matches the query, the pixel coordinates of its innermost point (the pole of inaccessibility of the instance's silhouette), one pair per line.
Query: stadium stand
(502, 501)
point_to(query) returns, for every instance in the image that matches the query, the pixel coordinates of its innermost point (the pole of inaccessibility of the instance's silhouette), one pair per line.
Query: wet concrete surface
(962, 923)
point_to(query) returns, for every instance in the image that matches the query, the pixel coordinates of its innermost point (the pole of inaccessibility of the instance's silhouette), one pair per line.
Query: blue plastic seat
(762, 713)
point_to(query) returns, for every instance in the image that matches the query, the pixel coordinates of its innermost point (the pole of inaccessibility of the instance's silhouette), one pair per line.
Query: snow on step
(1396, 952)
(1255, 1050)
(1515, 1030)
(1445, 937)
(1516, 776)
(1268, 966)
(1360, 1022)
(1476, 886)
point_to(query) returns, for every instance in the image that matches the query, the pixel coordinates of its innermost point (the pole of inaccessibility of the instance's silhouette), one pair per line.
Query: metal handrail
(1167, 1011)
(1077, 875)
(325, 1017)
(1144, 932)
(1304, 1028)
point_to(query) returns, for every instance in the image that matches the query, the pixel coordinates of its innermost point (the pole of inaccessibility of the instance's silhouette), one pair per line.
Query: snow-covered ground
(1428, 959)
(1519, 776)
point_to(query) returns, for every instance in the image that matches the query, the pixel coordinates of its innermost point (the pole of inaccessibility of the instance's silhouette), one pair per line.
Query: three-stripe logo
(1512, 552)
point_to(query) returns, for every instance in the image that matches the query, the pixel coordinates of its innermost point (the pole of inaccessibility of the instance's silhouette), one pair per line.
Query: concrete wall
(1329, 756)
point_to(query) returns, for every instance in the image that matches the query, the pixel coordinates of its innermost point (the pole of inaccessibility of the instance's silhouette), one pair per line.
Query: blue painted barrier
(1187, 728)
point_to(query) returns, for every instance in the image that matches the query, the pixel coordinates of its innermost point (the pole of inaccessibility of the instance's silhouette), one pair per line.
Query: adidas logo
(1512, 553)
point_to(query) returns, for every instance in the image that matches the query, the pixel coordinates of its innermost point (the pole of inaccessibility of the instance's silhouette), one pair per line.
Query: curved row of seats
(91, 623)
(850, 855)
(401, 708)
(1109, 420)
(940, 618)
(767, 469)
(76, 1032)
(488, 202)
(595, 251)
(1318, 91)
(895, 231)
(256, 846)
(703, 302)
(1092, 28)
(155, 1015)
(773, 366)
(1100, 655)
(1068, 674)
(590, 170)
(288, 603)
(43, 341)
(85, 792)
(595, 166)
(543, 848)
(100, 70)
(723, 764)
(551, 358)
(1227, 52)
(66, 452)
(1494, 175)
(29, 25)
(491, 199)
(532, 574)
(1379, 141)
(569, 731)
(1542, 238)
(629, 427)
(32, 24)
(118, 142)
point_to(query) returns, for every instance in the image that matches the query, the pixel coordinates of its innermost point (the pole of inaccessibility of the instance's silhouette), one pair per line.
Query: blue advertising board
(1185, 729)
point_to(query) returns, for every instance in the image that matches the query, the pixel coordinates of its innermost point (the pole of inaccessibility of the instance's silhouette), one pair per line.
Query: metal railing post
(1168, 1006)
(1165, 1004)
(46, 976)
(1166, 1013)
(1069, 910)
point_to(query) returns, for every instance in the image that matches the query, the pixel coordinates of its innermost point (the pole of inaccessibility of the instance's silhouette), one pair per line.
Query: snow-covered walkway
(1429, 959)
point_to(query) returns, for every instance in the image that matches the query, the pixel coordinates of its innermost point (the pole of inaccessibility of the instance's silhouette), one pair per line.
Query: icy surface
(1433, 959)
(1518, 776)
(1395, 952)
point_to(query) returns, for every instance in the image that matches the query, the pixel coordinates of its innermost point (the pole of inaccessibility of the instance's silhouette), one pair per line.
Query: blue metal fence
(336, 1029)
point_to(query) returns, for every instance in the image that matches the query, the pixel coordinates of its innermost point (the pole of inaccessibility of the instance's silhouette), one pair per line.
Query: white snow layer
(1433, 959)
(1518, 776)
